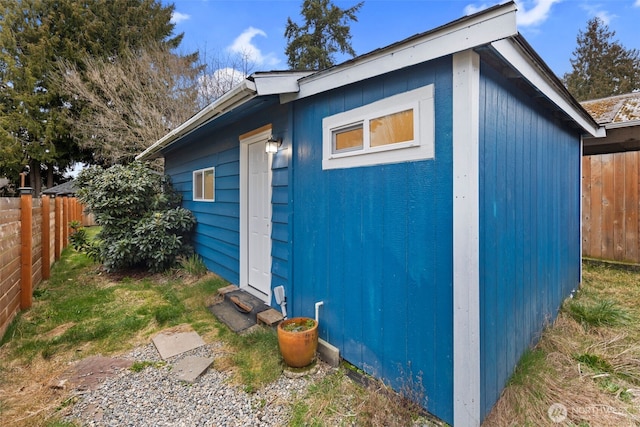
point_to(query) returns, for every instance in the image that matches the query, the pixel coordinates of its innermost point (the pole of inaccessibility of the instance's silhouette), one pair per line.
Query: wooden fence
(33, 233)
(611, 206)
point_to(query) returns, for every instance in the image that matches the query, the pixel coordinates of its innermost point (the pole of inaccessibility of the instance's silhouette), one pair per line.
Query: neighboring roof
(620, 116)
(66, 188)
(493, 28)
(615, 109)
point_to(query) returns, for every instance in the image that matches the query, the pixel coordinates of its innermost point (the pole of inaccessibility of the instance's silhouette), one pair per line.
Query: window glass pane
(348, 139)
(197, 185)
(391, 129)
(208, 184)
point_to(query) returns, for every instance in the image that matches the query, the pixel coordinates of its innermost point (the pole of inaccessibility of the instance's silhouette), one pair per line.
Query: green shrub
(140, 214)
(81, 242)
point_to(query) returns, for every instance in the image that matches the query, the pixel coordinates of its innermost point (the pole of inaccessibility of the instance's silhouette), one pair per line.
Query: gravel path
(154, 397)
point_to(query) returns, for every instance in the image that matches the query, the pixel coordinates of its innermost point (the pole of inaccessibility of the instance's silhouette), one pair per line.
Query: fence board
(611, 206)
(631, 207)
(12, 253)
(596, 208)
(608, 207)
(618, 207)
(586, 203)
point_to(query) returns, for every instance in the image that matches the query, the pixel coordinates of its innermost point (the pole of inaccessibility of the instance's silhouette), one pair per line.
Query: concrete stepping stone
(88, 373)
(191, 367)
(171, 343)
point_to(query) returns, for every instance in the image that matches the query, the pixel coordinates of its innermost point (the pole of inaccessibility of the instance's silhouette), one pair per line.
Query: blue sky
(224, 27)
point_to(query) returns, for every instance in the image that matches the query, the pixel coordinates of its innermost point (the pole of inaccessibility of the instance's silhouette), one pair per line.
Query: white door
(259, 216)
(255, 216)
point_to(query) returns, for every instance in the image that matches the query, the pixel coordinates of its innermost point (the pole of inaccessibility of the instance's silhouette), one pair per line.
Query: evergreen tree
(601, 65)
(35, 36)
(325, 31)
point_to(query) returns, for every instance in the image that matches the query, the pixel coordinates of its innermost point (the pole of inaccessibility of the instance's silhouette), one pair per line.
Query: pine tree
(325, 31)
(601, 65)
(35, 36)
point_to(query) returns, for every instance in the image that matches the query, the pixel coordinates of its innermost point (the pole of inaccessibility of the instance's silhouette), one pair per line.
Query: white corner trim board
(466, 239)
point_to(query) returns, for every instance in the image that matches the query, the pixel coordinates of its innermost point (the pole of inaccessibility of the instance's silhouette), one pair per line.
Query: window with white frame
(396, 129)
(204, 185)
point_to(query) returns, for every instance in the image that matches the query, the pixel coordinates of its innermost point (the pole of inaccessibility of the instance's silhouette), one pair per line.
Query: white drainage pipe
(318, 304)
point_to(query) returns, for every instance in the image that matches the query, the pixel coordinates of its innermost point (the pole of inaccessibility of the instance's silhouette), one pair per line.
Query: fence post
(46, 237)
(58, 225)
(26, 257)
(65, 222)
(78, 210)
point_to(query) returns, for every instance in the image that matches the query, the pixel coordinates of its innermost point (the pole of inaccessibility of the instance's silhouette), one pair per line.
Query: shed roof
(492, 29)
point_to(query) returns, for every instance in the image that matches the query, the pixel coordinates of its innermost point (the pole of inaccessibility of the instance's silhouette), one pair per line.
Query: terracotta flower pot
(298, 341)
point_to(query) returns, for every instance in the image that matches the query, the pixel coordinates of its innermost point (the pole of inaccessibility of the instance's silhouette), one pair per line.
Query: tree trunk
(35, 178)
(49, 175)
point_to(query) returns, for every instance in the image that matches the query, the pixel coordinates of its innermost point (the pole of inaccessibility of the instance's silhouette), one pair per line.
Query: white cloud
(605, 16)
(597, 11)
(535, 15)
(178, 17)
(213, 86)
(470, 9)
(530, 13)
(637, 3)
(243, 45)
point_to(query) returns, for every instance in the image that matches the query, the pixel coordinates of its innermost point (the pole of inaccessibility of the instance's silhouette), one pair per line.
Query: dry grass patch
(587, 362)
(337, 400)
(28, 391)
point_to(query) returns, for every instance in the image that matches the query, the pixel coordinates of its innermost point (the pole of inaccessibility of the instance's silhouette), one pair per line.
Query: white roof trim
(480, 29)
(618, 125)
(236, 96)
(512, 53)
(260, 84)
(278, 83)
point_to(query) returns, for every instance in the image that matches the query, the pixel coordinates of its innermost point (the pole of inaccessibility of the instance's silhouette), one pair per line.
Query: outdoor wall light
(272, 145)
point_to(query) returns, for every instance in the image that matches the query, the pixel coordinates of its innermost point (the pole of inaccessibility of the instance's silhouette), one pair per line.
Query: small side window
(204, 185)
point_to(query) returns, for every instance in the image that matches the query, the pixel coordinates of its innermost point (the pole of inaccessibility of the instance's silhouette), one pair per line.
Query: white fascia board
(512, 53)
(483, 28)
(240, 94)
(620, 125)
(278, 83)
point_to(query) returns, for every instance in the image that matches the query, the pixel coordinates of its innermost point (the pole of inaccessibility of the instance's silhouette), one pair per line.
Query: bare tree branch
(131, 101)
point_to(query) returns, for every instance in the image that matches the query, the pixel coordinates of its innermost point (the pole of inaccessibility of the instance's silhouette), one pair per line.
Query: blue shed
(427, 193)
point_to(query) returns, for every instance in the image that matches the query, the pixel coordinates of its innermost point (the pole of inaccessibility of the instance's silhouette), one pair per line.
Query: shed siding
(217, 232)
(529, 225)
(374, 243)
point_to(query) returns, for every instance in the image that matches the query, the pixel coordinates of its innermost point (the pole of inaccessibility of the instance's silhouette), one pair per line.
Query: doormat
(241, 315)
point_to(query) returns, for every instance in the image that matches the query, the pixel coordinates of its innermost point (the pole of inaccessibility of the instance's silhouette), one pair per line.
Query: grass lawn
(83, 311)
(587, 362)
